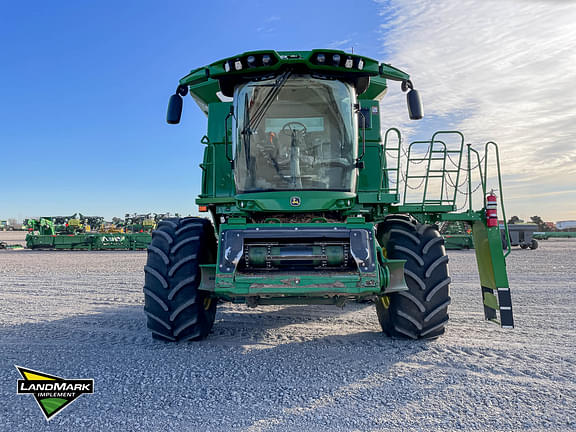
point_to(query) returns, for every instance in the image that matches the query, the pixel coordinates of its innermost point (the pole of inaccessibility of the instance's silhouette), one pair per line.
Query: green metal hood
(205, 82)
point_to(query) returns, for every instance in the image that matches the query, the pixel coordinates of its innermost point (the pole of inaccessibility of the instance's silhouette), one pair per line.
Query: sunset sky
(84, 87)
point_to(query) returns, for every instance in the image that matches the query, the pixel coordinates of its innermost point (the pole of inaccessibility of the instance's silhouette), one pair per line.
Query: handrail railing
(486, 148)
(431, 155)
(444, 187)
(384, 169)
(479, 160)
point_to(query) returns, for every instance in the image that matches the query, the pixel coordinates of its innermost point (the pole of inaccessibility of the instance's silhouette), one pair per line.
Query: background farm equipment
(457, 235)
(539, 235)
(79, 232)
(520, 234)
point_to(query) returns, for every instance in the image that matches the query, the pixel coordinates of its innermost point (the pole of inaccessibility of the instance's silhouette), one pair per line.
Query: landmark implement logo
(52, 393)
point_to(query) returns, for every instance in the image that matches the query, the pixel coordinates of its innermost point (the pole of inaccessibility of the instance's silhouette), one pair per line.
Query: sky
(84, 88)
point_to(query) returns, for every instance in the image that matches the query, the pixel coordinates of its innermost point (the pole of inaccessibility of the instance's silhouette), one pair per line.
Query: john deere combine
(303, 186)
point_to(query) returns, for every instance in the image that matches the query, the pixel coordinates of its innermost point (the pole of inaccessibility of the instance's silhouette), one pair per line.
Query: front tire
(176, 309)
(422, 311)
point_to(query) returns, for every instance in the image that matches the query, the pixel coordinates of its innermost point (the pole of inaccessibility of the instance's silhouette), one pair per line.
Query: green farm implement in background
(457, 235)
(541, 235)
(80, 233)
(313, 200)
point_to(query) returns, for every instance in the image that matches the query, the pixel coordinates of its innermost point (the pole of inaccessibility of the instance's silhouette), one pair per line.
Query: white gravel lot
(295, 368)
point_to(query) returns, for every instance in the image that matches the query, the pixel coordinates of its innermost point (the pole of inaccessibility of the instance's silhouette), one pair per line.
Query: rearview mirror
(174, 109)
(415, 109)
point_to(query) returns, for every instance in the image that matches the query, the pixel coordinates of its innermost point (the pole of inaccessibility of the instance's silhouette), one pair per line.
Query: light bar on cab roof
(249, 61)
(336, 59)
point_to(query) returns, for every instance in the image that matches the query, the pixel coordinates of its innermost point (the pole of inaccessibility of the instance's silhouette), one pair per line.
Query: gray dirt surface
(13, 237)
(294, 368)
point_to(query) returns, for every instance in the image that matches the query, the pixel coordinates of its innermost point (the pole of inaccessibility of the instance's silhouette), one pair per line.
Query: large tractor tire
(422, 311)
(176, 309)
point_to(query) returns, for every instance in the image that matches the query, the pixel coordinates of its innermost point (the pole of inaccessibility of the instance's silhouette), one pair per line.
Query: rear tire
(176, 309)
(422, 311)
(533, 244)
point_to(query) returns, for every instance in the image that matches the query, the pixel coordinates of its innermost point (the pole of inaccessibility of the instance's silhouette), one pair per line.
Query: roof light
(320, 58)
(266, 59)
(251, 60)
(227, 66)
(336, 59)
(348, 63)
(360, 64)
(238, 65)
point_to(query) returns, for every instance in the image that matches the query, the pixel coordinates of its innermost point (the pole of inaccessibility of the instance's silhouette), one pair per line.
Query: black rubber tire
(524, 246)
(176, 309)
(533, 244)
(422, 311)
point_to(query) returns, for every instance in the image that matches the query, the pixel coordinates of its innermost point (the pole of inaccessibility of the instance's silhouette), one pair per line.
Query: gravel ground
(13, 237)
(295, 368)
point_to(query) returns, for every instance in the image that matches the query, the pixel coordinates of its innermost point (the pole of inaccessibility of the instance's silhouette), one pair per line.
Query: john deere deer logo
(295, 201)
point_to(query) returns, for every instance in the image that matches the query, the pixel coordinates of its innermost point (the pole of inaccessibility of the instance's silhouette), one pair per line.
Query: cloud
(268, 26)
(344, 43)
(498, 70)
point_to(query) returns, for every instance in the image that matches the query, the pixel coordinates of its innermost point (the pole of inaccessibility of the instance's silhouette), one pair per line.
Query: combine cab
(312, 202)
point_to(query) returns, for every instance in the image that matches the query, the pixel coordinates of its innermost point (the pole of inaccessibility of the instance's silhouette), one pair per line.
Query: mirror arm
(359, 162)
(230, 114)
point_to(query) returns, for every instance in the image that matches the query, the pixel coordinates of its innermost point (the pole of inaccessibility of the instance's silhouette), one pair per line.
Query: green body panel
(282, 285)
(92, 241)
(493, 275)
(489, 255)
(310, 201)
(217, 179)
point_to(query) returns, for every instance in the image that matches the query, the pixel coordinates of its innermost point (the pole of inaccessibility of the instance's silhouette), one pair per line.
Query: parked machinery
(303, 189)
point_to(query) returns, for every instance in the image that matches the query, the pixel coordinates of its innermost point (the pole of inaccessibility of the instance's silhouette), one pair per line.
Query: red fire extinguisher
(491, 210)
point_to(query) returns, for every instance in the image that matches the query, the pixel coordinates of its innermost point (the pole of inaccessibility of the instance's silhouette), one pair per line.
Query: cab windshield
(295, 134)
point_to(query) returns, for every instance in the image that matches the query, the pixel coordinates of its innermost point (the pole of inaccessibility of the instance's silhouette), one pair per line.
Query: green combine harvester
(303, 188)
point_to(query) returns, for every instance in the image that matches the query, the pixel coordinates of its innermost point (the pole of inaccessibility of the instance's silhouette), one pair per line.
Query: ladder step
(444, 171)
(425, 176)
(446, 151)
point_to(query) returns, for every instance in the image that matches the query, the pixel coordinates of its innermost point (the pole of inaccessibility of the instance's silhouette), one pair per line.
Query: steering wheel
(287, 129)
